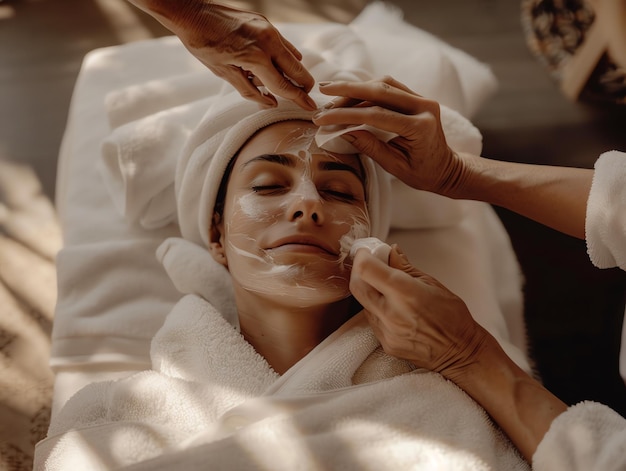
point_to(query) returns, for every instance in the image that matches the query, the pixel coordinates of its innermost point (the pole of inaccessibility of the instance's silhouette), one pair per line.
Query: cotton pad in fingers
(377, 247)
(329, 137)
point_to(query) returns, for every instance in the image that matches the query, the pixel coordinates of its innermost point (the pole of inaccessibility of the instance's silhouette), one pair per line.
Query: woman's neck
(284, 334)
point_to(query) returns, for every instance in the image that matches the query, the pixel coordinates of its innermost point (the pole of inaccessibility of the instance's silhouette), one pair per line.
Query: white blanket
(213, 403)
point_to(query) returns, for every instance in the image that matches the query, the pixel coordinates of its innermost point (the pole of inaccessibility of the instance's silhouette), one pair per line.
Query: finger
(280, 85)
(255, 80)
(377, 325)
(398, 98)
(244, 83)
(277, 62)
(330, 85)
(295, 71)
(293, 49)
(290, 65)
(397, 259)
(382, 118)
(365, 293)
(391, 159)
(340, 102)
(386, 280)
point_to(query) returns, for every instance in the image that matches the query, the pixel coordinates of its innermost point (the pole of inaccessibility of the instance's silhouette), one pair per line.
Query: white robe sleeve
(605, 225)
(587, 437)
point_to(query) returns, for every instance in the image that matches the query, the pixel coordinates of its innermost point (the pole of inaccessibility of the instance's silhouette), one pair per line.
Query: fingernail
(348, 137)
(323, 84)
(328, 106)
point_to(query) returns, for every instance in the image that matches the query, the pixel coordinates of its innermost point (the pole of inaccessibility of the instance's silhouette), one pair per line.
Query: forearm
(553, 196)
(172, 13)
(520, 405)
(162, 8)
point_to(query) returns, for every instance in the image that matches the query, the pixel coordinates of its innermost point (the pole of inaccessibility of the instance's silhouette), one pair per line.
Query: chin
(302, 295)
(316, 283)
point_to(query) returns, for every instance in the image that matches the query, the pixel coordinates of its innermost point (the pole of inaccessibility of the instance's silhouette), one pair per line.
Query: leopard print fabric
(554, 30)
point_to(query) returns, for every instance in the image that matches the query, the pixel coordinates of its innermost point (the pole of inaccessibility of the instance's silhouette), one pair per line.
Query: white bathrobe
(591, 436)
(212, 402)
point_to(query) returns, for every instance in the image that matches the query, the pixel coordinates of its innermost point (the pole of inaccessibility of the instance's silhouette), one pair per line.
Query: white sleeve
(587, 437)
(605, 225)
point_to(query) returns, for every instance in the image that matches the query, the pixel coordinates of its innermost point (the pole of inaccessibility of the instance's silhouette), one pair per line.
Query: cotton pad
(329, 137)
(376, 247)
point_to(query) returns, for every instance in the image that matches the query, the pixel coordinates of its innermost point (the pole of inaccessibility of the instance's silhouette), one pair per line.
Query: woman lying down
(303, 383)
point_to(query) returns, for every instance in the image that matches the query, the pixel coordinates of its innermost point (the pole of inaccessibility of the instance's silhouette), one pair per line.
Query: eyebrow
(289, 161)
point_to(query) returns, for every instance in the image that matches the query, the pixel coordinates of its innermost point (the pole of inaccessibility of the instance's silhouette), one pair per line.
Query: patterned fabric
(29, 239)
(554, 30)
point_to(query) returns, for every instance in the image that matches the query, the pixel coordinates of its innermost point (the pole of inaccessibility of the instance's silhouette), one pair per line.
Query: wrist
(173, 14)
(461, 168)
(471, 370)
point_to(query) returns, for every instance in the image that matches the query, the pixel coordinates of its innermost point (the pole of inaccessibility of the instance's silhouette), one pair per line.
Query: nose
(307, 206)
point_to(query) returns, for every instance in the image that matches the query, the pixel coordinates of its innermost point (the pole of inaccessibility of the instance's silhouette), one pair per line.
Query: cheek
(251, 208)
(354, 226)
(246, 217)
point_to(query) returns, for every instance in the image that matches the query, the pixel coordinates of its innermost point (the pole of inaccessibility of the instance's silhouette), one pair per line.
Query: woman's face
(291, 213)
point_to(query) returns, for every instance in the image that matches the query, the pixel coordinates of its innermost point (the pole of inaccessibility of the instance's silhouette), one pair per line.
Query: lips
(302, 243)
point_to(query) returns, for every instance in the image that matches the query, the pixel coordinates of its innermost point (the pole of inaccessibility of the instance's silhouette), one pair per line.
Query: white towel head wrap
(224, 129)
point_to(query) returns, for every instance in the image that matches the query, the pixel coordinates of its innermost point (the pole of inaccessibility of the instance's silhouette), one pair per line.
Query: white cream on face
(305, 275)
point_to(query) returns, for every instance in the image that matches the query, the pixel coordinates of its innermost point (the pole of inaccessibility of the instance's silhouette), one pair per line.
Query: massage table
(113, 294)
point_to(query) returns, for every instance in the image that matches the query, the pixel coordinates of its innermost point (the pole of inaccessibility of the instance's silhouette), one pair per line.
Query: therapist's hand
(420, 155)
(417, 318)
(242, 47)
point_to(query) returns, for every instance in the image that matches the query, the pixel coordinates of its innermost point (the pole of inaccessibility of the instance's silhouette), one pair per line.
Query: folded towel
(147, 98)
(139, 161)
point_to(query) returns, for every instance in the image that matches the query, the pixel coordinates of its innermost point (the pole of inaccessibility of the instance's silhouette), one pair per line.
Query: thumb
(366, 143)
(397, 259)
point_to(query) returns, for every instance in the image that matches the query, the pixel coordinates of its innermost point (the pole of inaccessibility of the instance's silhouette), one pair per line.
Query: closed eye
(340, 195)
(267, 189)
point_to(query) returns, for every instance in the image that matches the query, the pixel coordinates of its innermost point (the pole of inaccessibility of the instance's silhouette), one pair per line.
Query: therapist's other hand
(415, 317)
(242, 47)
(419, 155)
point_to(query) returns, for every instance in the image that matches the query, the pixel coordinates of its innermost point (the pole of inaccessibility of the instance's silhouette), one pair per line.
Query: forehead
(293, 137)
